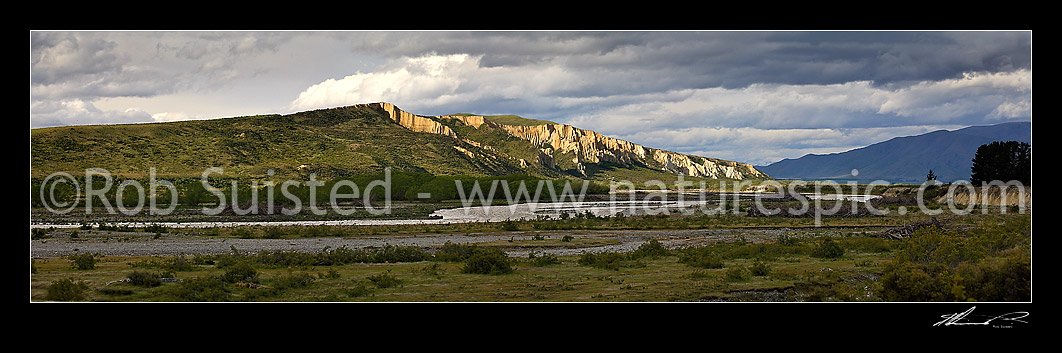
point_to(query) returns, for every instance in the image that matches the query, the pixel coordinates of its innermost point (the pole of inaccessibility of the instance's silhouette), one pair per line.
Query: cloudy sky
(755, 97)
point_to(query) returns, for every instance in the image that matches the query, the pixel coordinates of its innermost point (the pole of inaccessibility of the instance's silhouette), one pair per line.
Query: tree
(1003, 161)
(931, 176)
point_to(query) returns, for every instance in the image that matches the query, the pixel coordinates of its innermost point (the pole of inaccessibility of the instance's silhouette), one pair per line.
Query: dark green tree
(1003, 161)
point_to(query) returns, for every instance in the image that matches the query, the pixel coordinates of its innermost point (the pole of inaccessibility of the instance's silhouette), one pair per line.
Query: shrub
(652, 248)
(911, 282)
(145, 279)
(242, 271)
(297, 280)
(567, 238)
(1008, 279)
(760, 268)
(488, 262)
(207, 289)
(176, 264)
(737, 273)
(604, 260)
(542, 260)
(384, 280)
(991, 262)
(84, 261)
(66, 290)
(510, 225)
(359, 290)
(39, 233)
(701, 257)
(243, 233)
(451, 252)
(827, 249)
(273, 233)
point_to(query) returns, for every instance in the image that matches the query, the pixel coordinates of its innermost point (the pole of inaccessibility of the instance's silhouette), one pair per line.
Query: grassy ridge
(329, 143)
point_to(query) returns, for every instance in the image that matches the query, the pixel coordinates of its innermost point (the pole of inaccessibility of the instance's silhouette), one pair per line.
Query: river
(500, 213)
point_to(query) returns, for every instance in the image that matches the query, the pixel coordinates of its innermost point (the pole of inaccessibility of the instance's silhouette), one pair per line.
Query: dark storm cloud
(654, 60)
(693, 91)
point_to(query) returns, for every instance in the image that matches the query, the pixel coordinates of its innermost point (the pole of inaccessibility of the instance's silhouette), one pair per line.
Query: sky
(750, 96)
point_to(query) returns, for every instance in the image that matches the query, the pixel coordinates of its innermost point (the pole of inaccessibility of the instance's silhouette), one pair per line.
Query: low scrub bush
(240, 272)
(737, 274)
(145, 279)
(203, 289)
(451, 252)
(358, 290)
(488, 262)
(604, 260)
(39, 233)
(827, 249)
(327, 257)
(760, 268)
(700, 257)
(178, 263)
(66, 290)
(652, 248)
(542, 260)
(84, 261)
(992, 262)
(293, 280)
(384, 280)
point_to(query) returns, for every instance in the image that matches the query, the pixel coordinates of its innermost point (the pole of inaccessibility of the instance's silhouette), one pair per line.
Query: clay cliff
(581, 146)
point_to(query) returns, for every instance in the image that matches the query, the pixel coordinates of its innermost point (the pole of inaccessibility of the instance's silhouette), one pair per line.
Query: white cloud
(1004, 94)
(429, 78)
(78, 112)
(173, 116)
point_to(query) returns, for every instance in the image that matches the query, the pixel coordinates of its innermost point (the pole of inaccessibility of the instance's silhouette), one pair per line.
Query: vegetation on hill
(328, 143)
(510, 119)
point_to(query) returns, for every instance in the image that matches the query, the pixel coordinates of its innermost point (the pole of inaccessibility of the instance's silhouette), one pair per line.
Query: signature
(964, 318)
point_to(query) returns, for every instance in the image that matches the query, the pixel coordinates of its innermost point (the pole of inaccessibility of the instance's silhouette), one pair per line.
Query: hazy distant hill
(364, 139)
(904, 159)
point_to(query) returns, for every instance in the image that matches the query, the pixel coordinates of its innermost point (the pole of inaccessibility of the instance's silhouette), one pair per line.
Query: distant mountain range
(903, 159)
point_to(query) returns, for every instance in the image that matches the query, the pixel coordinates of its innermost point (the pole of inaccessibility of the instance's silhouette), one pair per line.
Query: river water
(500, 213)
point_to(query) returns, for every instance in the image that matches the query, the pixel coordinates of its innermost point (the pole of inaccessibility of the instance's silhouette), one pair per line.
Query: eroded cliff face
(415, 122)
(584, 145)
(587, 146)
(592, 147)
(705, 167)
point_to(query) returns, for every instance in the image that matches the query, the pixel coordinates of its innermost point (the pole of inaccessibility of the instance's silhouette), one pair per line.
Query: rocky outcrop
(705, 167)
(414, 122)
(471, 120)
(584, 145)
(592, 147)
(587, 146)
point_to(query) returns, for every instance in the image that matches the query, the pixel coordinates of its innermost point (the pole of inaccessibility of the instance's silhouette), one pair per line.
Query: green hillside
(330, 142)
